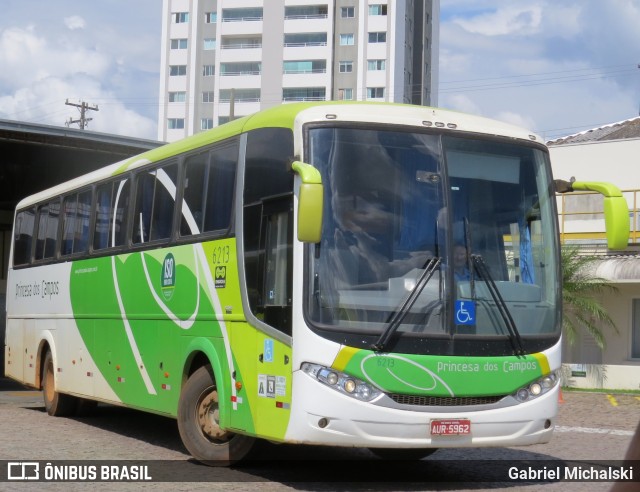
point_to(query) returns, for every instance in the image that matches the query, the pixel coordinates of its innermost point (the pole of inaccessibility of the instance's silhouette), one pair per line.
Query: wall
(613, 368)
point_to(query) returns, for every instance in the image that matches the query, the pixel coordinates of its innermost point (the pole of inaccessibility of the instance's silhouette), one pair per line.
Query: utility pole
(83, 107)
(232, 105)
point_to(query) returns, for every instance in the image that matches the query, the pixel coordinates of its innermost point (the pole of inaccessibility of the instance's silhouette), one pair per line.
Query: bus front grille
(442, 401)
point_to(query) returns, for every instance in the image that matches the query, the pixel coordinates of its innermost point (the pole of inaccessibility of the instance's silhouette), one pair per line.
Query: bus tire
(57, 404)
(198, 423)
(403, 454)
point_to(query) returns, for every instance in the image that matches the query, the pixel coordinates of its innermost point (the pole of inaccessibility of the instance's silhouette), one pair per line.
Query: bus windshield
(396, 200)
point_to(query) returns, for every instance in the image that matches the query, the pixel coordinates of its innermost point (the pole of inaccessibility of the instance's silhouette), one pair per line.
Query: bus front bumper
(320, 415)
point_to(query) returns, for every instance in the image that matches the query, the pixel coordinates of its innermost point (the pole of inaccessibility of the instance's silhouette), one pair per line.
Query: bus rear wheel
(57, 404)
(199, 423)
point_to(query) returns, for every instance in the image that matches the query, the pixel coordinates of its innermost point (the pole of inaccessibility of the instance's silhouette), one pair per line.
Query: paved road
(590, 427)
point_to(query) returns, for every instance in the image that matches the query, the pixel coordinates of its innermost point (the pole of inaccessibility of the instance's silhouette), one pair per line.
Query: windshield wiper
(396, 319)
(514, 334)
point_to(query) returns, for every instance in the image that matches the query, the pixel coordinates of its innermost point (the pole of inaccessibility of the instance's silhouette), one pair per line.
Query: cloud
(550, 66)
(74, 22)
(40, 72)
(519, 20)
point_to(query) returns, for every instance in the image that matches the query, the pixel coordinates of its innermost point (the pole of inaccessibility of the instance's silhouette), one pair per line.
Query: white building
(228, 58)
(612, 154)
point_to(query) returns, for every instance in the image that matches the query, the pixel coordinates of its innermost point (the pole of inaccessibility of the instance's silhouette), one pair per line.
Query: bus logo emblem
(168, 276)
(221, 277)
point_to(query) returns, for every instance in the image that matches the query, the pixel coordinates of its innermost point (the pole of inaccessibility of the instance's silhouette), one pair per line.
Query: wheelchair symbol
(465, 313)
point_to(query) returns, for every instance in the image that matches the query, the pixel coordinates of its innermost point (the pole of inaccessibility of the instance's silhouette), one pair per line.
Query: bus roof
(295, 115)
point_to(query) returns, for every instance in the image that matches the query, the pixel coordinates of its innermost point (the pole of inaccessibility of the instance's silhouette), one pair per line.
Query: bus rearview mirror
(616, 211)
(310, 203)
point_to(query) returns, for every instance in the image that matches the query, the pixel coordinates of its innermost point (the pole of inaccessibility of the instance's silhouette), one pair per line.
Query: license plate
(450, 427)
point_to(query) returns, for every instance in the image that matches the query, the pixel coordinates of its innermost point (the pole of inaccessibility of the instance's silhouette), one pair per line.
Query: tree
(580, 292)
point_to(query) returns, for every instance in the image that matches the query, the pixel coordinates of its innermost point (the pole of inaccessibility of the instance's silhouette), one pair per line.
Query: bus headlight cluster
(339, 381)
(538, 387)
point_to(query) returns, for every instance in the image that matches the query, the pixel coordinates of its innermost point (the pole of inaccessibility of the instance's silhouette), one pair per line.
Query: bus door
(270, 359)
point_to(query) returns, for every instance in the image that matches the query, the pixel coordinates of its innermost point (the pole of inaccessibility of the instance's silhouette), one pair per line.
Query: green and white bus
(371, 275)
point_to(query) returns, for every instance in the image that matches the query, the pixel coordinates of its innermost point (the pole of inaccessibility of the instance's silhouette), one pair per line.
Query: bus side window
(111, 210)
(83, 213)
(103, 213)
(70, 215)
(155, 199)
(195, 193)
(223, 175)
(75, 223)
(23, 237)
(208, 194)
(144, 205)
(48, 216)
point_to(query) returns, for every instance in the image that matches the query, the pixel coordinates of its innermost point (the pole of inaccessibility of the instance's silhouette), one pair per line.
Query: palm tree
(580, 290)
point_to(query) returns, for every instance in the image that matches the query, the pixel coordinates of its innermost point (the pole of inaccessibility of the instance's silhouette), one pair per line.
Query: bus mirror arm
(562, 186)
(616, 210)
(310, 202)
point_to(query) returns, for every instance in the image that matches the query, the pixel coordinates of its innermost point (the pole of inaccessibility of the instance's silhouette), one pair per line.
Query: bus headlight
(538, 387)
(339, 381)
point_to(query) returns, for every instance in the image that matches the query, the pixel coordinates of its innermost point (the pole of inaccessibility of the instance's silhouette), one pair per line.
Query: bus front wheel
(57, 404)
(199, 423)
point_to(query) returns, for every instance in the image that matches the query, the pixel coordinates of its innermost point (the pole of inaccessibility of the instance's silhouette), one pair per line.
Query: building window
(175, 123)
(375, 92)
(210, 44)
(299, 40)
(233, 42)
(347, 12)
(304, 94)
(306, 12)
(208, 70)
(635, 330)
(240, 95)
(207, 97)
(378, 9)
(345, 94)
(210, 17)
(346, 67)
(177, 97)
(377, 37)
(245, 14)
(305, 66)
(179, 44)
(177, 70)
(241, 68)
(206, 123)
(347, 39)
(376, 65)
(180, 17)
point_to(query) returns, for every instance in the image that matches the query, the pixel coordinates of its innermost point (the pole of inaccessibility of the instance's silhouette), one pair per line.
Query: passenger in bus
(460, 263)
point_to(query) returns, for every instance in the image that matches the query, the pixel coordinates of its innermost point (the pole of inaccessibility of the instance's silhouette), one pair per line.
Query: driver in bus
(366, 231)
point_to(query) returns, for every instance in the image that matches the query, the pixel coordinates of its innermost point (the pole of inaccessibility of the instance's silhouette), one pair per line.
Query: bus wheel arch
(57, 404)
(199, 422)
(42, 352)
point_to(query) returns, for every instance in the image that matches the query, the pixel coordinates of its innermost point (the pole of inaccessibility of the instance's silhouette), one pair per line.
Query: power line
(544, 81)
(607, 67)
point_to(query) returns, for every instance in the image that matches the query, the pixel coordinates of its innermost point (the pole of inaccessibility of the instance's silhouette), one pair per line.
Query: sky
(556, 67)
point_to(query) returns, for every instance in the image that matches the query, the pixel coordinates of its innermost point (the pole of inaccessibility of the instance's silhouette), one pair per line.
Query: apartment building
(222, 59)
